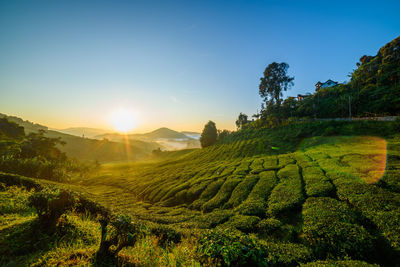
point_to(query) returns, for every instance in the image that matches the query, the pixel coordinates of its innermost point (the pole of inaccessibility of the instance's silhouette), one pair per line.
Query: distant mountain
(165, 138)
(164, 133)
(83, 131)
(92, 149)
(161, 133)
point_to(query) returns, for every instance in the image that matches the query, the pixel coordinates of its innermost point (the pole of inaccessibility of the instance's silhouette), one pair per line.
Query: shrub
(231, 248)
(243, 168)
(270, 163)
(243, 223)
(257, 166)
(331, 228)
(316, 183)
(124, 232)
(288, 193)
(223, 194)
(208, 193)
(166, 234)
(50, 205)
(214, 218)
(241, 191)
(256, 202)
(268, 226)
(344, 263)
(14, 199)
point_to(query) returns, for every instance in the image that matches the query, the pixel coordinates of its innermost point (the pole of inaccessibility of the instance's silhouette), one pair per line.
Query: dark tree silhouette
(242, 121)
(274, 82)
(209, 135)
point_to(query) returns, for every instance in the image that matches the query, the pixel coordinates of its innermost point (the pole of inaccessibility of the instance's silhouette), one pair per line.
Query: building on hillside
(328, 83)
(301, 97)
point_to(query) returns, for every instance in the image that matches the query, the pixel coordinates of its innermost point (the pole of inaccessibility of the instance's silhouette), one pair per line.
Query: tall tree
(274, 82)
(242, 121)
(209, 135)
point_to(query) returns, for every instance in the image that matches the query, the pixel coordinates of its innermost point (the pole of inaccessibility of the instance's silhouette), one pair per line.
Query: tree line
(373, 90)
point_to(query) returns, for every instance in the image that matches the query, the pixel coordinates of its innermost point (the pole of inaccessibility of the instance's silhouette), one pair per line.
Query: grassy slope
(323, 185)
(102, 150)
(240, 184)
(92, 149)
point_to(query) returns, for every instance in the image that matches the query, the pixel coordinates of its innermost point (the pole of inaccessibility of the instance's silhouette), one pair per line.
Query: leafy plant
(50, 205)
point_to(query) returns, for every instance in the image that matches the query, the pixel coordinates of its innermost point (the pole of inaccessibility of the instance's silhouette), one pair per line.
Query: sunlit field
(288, 202)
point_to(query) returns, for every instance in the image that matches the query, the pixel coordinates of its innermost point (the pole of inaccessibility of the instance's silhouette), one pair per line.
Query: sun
(123, 120)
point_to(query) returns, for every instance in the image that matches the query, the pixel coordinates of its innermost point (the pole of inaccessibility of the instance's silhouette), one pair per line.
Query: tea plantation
(319, 201)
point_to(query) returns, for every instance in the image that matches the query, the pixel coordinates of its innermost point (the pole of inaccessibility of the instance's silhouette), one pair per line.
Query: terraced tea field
(330, 189)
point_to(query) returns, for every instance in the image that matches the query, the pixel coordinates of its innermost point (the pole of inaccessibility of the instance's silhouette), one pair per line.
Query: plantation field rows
(339, 196)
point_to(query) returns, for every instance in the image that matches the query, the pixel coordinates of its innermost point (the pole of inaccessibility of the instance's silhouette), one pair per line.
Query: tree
(209, 135)
(274, 82)
(223, 134)
(241, 121)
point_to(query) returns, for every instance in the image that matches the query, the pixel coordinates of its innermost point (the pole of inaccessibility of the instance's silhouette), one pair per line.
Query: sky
(174, 64)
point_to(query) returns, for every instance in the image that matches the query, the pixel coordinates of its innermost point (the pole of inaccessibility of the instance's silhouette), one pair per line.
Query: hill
(102, 150)
(373, 90)
(86, 149)
(161, 133)
(82, 131)
(28, 126)
(304, 197)
(164, 138)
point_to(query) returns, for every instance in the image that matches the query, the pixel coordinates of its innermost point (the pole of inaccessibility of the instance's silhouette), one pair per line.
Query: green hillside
(86, 149)
(161, 133)
(321, 193)
(80, 131)
(102, 150)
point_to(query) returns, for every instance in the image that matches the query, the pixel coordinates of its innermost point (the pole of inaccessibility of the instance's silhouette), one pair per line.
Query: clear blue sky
(174, 63)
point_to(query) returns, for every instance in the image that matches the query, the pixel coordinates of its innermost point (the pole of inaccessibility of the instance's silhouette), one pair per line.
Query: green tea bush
(243, 223)
(332, 230)
(391, 180)
(288, 193)
(379, 205)
(214, 218)
(241, 191)
(166, 234)
(50, 205)
(207, 194)
(268, 226)
(231, 248)
(243, 168)
(270, 163)
(257, 166)
(223, 194)
(284, 160)
(14, 199)
(123, 233)
(343, 263)
(18, 180)
(256, 202)
(316, 183)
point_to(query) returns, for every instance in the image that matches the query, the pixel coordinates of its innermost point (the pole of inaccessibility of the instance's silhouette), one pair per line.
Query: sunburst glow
(123, 120)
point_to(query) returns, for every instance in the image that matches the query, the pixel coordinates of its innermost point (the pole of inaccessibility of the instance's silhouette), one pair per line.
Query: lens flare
(362, 157)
